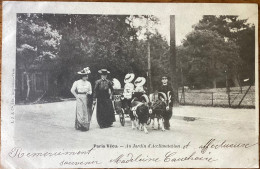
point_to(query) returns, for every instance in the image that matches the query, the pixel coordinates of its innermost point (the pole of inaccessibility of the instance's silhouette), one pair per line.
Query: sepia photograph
(130, 90)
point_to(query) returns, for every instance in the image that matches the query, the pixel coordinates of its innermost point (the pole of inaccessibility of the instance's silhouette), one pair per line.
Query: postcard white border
(11, 8)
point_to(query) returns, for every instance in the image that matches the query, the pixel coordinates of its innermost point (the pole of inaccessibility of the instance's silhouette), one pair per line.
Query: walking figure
(103, 98)
(167, 89)
(82, 89)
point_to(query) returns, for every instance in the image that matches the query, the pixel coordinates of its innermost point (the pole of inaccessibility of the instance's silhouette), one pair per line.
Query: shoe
(84, 130)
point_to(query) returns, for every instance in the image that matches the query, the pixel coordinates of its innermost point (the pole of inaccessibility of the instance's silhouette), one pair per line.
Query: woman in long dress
(81, 89)
(102, 95)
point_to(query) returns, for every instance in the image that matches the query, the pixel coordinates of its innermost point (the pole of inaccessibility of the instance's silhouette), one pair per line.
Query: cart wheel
(122, 117)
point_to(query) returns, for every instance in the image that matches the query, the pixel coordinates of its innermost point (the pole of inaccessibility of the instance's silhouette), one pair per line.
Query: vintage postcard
(113, 85)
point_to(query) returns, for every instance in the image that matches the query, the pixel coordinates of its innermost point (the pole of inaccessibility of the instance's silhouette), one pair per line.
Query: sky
(183, 26)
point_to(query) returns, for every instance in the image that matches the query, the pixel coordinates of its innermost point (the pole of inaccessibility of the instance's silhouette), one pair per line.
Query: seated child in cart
(139, 89)
(127, 95)
(128, 91)
(132, 91)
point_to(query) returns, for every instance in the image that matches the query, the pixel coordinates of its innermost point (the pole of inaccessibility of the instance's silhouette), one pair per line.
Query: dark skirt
(105, 113)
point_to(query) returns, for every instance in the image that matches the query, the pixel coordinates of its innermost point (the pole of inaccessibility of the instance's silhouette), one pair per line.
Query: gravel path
(51, 125)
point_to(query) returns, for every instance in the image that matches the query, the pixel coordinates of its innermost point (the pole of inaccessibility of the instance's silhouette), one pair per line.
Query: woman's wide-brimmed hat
(129, 77)
(84, 71)
(103, 71)
(140, 81)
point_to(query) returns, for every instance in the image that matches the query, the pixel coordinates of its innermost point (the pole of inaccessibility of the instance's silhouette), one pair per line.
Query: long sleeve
(73, 89)
(95, 90)
(110, 84)
(172, 93)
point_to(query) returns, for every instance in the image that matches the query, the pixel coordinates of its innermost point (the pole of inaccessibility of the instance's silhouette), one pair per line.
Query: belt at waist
(82, 93)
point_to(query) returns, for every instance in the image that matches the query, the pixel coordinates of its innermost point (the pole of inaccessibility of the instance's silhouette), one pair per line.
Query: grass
(219, 97)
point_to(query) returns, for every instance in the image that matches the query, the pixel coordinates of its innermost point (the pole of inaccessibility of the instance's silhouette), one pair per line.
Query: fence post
(184, 97)
(229, 99)
(180, 98)
(212, 98)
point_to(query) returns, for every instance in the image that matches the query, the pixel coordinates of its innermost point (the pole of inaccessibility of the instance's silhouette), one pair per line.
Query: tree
(160, 56)
(246, 43)
(37, 43)
(146, 29)
(231, 28)
(100, 41)
(184, 62)
(208, 55)
(97, 41)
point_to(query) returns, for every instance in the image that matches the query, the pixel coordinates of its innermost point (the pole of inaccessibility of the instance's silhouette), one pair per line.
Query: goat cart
(118, 106)
(122, 105)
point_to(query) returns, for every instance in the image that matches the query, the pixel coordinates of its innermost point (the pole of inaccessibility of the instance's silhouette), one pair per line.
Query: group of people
(102, 98)
(134, 91)
(102, 95)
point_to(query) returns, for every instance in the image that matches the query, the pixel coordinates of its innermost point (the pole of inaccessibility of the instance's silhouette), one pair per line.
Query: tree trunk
(214, 83)
(28, 86)
(239, 82)
(235, 80)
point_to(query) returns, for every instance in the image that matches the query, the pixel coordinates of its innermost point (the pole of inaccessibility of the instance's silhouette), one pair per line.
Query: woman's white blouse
(82, 86)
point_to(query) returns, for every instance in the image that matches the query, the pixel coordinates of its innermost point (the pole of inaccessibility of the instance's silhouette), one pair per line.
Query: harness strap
(134, 109)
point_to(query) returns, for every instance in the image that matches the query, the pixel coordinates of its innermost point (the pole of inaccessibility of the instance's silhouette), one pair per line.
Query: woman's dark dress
(105, 111)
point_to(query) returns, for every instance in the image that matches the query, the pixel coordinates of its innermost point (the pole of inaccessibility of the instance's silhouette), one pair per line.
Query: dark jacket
(165, 89)
(101, 89)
